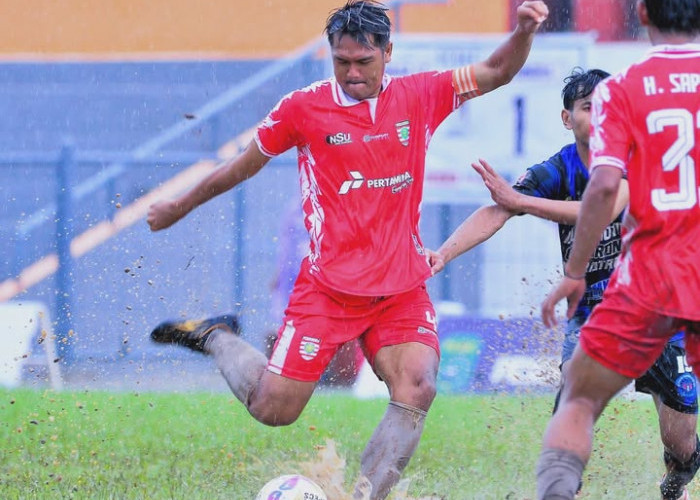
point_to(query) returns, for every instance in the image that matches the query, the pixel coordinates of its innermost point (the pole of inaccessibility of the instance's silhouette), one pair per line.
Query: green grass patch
(99, 445)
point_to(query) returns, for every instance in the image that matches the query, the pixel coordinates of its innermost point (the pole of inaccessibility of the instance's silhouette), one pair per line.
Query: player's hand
(435, 260)
(501, 191)
(163, 214)
(629, 224)
(531, 15)
(570, 288)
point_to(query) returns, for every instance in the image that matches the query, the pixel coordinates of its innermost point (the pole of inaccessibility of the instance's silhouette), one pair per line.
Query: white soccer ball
(291, 487)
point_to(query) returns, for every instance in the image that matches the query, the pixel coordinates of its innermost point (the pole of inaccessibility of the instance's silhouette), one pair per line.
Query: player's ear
(642, 13)
(387, 52)
(566, 119)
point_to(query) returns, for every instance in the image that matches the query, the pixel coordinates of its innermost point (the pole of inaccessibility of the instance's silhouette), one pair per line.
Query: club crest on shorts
(309, 347)
(403, 130)
(686, 385)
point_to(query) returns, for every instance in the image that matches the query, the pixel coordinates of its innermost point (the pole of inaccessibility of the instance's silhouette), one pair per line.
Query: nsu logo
(339, 139)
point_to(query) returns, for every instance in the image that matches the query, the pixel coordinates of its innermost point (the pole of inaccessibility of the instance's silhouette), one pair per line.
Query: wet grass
(100, 445)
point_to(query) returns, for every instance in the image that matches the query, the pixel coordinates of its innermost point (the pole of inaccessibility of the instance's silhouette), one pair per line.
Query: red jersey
(646, 121)
(361, 166)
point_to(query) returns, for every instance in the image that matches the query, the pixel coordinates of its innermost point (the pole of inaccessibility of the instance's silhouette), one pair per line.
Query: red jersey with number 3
(646, 121)
(361, 166)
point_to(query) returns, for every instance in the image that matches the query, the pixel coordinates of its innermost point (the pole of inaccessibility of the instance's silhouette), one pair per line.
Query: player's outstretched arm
(229, 174)
(477, 228)
(505, 62)
(567, 212)
(564, 212)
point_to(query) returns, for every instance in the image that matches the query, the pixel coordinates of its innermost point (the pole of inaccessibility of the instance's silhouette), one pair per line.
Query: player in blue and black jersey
(553, 190)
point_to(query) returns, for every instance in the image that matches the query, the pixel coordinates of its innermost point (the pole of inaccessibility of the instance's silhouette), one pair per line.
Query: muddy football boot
(193, 333)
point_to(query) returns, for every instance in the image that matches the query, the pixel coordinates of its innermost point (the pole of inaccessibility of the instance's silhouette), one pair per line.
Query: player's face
(578, 120)
(359, 69)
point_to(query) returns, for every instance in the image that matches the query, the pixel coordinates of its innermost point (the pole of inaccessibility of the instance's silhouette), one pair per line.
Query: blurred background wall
(180, 28)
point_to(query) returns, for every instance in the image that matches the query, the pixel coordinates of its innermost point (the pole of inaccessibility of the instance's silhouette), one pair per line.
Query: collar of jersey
(684, 47)
(342, 99)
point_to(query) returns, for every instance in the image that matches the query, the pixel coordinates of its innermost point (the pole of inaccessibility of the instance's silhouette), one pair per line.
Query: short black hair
(579, 84)
(675, 16)
(366, 21)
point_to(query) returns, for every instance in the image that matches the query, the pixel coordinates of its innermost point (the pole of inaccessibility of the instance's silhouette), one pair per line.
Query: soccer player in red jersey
(646, 122)
(553, 190)
(361, 140)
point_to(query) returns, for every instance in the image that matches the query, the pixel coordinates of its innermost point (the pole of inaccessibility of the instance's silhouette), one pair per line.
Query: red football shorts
(627, 338)
(318, 321)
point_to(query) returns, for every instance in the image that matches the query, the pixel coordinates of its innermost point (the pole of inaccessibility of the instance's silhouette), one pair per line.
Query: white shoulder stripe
(262, 148)
(609, 161)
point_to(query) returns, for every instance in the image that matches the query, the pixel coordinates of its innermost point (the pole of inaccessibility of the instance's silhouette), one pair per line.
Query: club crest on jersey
(403, 130)
(339, 139)
(309, 347)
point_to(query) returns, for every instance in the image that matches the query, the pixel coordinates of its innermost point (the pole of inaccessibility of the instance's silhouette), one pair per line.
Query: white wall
(521, 262)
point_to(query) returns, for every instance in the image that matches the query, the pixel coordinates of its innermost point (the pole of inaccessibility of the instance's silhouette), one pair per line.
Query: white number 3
(676, 157)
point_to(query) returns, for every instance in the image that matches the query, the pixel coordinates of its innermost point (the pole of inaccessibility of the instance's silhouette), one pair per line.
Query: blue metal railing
(148, 152)
(64, 275)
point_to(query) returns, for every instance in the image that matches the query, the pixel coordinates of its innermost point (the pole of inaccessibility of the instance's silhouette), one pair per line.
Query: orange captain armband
(464, 82)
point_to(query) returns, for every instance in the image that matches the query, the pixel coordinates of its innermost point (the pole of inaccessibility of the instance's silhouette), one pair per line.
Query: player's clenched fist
(164, 214)
(435, 260)
(531, 15)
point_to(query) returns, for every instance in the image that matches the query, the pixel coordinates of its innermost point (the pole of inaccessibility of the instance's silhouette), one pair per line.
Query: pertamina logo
(396, 183)
(355, 183)
(339, 139)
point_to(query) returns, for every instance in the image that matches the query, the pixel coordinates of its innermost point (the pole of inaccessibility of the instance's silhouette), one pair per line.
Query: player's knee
(427, 389)
(582, 398)
(271, 405)
(273, 415)
(584, 405)
(277, 419)
(414, 390)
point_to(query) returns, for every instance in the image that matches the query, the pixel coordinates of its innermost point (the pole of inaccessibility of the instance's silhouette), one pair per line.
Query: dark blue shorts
(670, 378)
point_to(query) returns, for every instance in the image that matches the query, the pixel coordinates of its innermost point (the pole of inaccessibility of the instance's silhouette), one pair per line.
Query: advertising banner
(493, 355)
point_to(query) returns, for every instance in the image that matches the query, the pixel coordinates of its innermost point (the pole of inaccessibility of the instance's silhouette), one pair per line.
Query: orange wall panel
(456, 16)
(607, 17)
(253, 28)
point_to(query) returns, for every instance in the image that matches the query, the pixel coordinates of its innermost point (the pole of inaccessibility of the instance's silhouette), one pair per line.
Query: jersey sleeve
(541, 180)
(440, 97)
(277, 132)
(611, 138)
